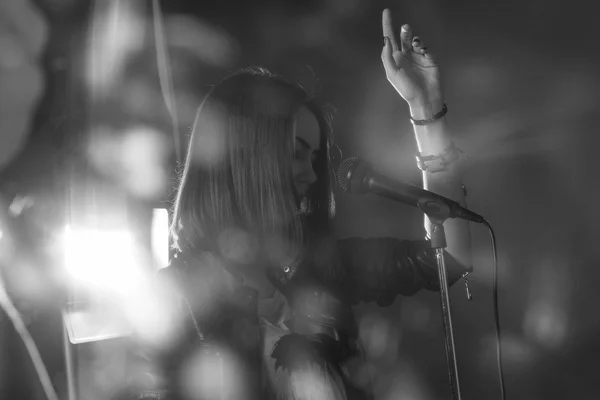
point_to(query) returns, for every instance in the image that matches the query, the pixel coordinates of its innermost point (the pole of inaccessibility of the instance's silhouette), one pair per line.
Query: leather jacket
(219, 315)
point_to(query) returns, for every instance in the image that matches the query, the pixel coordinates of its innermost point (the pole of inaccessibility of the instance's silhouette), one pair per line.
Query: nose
(310, 176)
(305, 177)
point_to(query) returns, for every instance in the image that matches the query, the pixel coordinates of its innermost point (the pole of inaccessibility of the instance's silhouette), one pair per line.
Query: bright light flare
(103, 259)
(160, 236)
(109, 262)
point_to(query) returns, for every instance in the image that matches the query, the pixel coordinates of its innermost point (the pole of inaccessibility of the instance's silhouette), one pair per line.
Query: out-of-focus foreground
(96, 103)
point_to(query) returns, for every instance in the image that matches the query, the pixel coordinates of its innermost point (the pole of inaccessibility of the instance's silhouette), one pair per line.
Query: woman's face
(307, 137)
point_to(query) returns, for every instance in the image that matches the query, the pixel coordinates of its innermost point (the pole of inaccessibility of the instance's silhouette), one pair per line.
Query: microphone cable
(496, 311)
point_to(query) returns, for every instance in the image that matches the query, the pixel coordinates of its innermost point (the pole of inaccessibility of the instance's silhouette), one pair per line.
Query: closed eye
(302, 149)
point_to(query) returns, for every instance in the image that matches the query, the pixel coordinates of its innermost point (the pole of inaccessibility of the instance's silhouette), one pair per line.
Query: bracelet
(438, 162)
(437, 116)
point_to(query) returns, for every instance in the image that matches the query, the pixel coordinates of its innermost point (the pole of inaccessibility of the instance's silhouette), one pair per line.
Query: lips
(301, 189)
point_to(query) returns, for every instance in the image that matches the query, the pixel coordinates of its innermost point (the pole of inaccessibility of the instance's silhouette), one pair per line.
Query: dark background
(521, 85)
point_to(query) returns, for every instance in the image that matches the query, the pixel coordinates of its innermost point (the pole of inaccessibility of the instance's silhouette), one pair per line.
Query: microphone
(357, 176)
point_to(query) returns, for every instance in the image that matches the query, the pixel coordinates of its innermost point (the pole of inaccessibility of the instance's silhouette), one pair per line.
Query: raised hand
(410, 67)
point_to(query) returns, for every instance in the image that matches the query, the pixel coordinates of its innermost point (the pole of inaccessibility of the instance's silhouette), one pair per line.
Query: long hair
(238, 169)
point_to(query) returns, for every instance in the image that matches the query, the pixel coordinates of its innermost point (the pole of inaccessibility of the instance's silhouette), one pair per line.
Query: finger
(388, 28)
(418, 45)
(391, 69)
(387, 56)
(424, 51)
(421, 48)
(429, 56)
(405, 38)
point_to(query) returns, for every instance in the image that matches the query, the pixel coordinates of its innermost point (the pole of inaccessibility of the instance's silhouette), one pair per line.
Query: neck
(256, 278)
(254, 275)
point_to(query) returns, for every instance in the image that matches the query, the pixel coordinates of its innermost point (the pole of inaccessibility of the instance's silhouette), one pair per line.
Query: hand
(411, 69)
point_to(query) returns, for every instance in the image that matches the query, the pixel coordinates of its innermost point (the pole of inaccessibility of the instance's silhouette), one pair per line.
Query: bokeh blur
(97, 99)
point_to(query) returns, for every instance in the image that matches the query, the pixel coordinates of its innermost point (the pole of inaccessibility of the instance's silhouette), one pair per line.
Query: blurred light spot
(105, 259)
(238, 246)
(417, 316)
(27, 281)
(517, 354)
(160, 236)
(144, 101)
(379, 338)
(23, 36)
(402, 382)
(136, 159)
(316, 308)
(207, 42)
(209, 142)
(26, 23)
(19, 204)
(7, 247)
(154, 319)
(117, 31)
(314, 383)
(546, 323)
(141, 99)
(213, 374)
(546, 320)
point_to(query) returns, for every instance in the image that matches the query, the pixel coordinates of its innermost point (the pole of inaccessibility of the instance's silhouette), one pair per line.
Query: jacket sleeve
(379, 269)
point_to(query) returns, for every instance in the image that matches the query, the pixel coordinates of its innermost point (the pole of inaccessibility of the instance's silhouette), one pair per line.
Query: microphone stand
(437, 214)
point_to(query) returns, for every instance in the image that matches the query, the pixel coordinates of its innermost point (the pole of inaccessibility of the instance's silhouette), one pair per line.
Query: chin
(302, 204)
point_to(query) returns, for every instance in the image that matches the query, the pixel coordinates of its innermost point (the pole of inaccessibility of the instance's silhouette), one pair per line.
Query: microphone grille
(350, 174)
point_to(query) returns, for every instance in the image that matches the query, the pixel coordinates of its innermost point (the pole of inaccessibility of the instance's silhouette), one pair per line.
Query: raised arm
(415, 74)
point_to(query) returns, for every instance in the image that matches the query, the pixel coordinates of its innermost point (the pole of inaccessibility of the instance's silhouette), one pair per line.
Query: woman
(261, 289)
